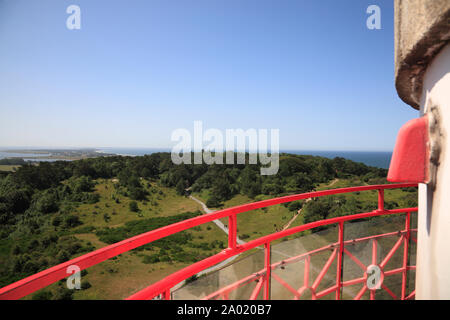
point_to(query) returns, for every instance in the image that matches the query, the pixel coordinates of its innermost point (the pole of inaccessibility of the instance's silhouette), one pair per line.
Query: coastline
(380, 159)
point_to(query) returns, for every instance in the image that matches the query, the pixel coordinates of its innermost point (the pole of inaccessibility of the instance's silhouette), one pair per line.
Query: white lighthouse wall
(433, 248)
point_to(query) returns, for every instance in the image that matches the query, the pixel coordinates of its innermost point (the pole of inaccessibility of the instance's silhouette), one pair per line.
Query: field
(8, 168)
(119, 277)
(164, 202)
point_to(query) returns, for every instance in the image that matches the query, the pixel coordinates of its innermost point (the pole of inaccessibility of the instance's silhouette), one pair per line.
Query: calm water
(21, 155)
(380, 159)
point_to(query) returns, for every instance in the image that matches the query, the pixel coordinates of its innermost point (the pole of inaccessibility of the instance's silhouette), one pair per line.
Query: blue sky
(137, 70)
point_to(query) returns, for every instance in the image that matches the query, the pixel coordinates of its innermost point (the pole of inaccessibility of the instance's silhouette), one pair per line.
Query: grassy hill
(53, 212)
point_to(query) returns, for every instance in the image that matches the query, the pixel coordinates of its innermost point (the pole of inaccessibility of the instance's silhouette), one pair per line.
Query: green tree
(213, 202)
(133, 206)
(181, 187)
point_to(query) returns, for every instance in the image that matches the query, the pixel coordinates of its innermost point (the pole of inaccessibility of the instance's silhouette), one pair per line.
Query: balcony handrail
(300, 257)
(181, 275)
(46, 277)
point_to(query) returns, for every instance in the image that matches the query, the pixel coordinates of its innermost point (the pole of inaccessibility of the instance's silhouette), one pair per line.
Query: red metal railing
(259, 278)
(163, 287)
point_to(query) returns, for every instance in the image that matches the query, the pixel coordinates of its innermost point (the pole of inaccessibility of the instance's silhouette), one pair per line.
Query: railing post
(306, 273)
(374, 262)
(266, 295)
(380, 199)
(405, 254)
(339, 261)
(167, 294)
(232, 231)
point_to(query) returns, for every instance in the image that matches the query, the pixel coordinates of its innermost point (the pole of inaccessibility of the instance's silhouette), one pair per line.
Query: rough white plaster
(433, 249)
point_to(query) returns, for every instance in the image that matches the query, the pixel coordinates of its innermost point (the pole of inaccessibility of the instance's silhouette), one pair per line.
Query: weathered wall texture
(422, 29)
(433, 246)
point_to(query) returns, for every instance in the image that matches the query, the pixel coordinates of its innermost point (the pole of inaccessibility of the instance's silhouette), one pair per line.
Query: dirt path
(333, 182)
(229, 260)
(287, 225)
(216, 222)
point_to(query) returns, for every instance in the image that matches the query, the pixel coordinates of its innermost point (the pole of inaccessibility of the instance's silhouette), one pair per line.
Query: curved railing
(163, 287)
(259, 278)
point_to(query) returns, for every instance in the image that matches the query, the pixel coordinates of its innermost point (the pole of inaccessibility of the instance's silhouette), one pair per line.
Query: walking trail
(222, 227)
(300, 210)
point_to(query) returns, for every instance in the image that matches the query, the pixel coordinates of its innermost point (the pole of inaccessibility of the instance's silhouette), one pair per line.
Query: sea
(380, 159)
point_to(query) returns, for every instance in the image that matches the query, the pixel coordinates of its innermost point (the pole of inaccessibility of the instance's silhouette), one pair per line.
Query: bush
(137, 193)
(63, 256)
(16, 250)
(30, 267)
(92, 198)
(295, 206)
(82, 184)
(151, 259)
(85, 285)
(133, 206)
(56, 221)
(63, 294)
(72, 221)
(213, 202)
(47, 203)
(42, 295)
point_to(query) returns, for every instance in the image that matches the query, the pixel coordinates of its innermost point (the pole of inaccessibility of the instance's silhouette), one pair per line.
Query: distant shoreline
(380, 159)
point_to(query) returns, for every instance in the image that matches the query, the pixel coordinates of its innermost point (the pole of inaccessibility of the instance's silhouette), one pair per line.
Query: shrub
(63, 294)
(47, 203)
(85, 285)
(56, 221)
(137, 193)
(42, 295)
(92, 198)
(72, 221)
(82, 184)
(133, 206)
(16, 250)
(213, 202)
(63, 256)
(33, 245)
(295, 205)
(30, 267)
(151, 259)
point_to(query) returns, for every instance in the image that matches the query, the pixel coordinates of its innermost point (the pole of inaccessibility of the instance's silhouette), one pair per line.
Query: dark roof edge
(411, 67)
